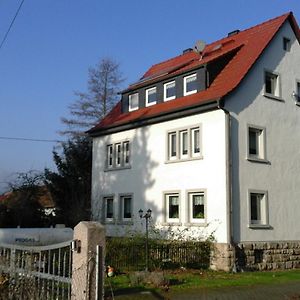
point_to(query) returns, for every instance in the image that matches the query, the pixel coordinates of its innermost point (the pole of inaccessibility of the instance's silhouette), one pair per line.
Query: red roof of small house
(247, 46)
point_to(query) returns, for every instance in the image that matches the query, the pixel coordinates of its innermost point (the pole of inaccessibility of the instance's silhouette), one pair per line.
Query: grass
(187, 280)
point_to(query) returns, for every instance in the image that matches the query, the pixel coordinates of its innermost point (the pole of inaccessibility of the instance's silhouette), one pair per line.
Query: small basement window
(133, 102)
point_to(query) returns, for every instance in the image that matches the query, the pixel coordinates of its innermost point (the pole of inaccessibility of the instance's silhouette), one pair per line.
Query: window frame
(125, 152)
(264, 209)
(184, 141)
(178, 133)
(261, 139)
(105, 218)
(165, 91)
(166, 198)
(109, 156)
(122, 164)
(130, 107)
(276, 94)
(147, 96)
(191, 219)
(286, 44)
(122, 219)
(185, 93)
(118, 155)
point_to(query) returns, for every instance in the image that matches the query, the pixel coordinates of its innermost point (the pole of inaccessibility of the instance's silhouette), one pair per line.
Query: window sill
(196, 224)
(125, 222)
(184, 159)
(273, 97)
(171, 224)
(117, 168)
(259, 226)
(258, 160)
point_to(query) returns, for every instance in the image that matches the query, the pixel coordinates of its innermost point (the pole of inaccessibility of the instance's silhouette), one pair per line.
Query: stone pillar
(89, 235)
(222, 258)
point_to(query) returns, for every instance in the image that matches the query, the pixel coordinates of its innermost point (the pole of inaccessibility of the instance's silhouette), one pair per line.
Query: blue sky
(53, 43)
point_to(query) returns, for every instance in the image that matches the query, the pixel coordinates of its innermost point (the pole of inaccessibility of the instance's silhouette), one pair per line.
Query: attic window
(133, 102)
(169, 91)
(151, 96)
(286, 44)
(190, 84)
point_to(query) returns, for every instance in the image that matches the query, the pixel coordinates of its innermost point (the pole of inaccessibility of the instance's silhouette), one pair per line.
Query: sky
(52, 43)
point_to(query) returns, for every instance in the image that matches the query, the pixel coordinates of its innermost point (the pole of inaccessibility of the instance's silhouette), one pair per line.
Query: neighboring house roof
(45, 199)
(248, 45)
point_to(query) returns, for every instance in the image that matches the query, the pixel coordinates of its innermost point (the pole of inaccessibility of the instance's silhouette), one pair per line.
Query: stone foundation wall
(256, 256)
(269, 255)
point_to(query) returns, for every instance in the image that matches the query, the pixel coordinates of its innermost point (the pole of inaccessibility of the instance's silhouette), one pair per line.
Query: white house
(209, 141)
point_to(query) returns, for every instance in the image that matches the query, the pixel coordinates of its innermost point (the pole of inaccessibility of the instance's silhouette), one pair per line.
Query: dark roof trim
(187, 111)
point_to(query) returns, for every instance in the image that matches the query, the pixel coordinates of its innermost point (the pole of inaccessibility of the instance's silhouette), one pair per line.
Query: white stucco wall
(280, 178)
(150, 176)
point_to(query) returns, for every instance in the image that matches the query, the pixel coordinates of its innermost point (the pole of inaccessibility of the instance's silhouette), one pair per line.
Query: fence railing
(36, 272)
(129, 255)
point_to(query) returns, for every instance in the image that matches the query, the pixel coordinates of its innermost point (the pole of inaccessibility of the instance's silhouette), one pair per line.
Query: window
(272, 86)
(126, 153)
(151, 96)
(172, 207)
(133, 102)
(196, 207)
(297, 95)
(118, 155)
(126, 205)
(286, 44)
(109, 208)
(256, 143)
(184, 144)
(172, 140)
(258, 208)
(109, 156)
(195, 135)
(169, 91)
(190, 84)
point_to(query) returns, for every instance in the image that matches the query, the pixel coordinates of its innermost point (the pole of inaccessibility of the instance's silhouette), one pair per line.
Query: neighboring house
(209, 141)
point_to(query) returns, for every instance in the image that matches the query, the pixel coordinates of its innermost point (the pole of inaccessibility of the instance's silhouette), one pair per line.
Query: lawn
(186, 280)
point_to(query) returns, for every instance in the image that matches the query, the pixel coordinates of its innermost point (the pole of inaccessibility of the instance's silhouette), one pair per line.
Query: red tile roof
(248, 44)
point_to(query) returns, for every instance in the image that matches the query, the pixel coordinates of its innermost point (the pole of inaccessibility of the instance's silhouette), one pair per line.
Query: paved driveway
(286, 291)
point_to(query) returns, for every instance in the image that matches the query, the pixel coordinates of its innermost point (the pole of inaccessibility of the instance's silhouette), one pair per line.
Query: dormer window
(169, 91)
(133, 102)
(190, 84)
(151, 96)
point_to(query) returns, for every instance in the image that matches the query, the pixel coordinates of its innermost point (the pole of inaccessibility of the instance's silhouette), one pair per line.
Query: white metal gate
(36, 272)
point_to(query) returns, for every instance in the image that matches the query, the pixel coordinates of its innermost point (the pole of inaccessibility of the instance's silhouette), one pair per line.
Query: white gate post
(87, 236)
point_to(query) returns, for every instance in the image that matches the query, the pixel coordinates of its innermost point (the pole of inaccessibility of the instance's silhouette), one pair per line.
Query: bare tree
(104, 82)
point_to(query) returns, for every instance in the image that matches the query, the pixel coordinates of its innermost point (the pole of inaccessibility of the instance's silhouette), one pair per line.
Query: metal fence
(126, 255)
(36, 272)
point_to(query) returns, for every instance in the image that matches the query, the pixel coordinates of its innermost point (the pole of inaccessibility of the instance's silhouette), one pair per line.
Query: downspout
(228, 157)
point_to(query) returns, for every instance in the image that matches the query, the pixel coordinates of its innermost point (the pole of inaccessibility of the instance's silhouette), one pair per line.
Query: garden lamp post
(147, 216)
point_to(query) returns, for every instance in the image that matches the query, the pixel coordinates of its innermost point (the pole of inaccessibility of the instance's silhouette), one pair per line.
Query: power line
(11, 24)
(28, 139)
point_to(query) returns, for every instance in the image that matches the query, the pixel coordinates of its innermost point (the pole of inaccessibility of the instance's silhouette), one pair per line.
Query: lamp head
(141, 213)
